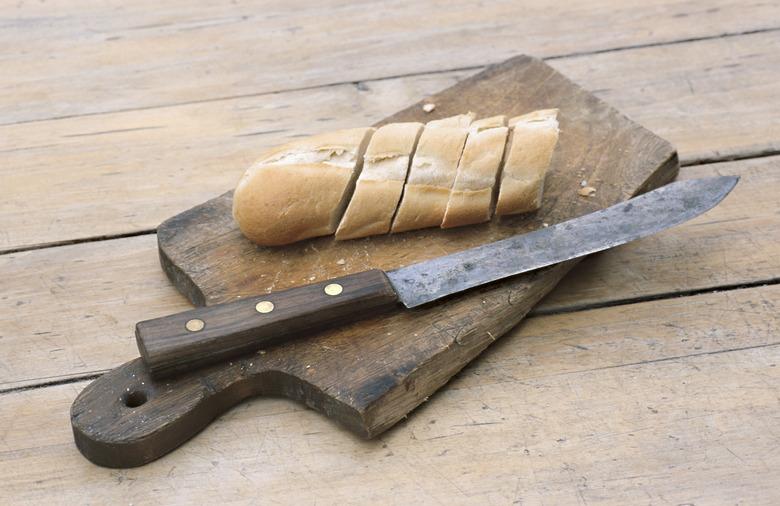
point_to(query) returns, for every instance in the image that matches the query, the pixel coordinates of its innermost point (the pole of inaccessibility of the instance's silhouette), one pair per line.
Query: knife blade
(202, 336)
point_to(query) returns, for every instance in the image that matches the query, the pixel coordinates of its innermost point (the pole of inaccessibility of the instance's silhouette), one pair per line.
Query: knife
(202, 336)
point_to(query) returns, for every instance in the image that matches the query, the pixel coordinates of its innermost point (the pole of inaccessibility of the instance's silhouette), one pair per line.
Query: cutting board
(369, 375)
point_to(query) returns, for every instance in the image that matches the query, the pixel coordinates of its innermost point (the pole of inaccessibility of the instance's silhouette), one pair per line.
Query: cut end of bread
(380, 185)
(370, 210)
(422, 206)
(519, 197)
(467, 207)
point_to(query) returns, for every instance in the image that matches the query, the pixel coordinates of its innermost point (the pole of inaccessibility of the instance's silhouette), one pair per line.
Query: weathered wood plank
(120, 173)
(712, 99)
(645, 403)
(83, 57)
(70, 310)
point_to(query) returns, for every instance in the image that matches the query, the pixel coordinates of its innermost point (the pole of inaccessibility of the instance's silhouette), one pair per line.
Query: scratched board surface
(371, 374)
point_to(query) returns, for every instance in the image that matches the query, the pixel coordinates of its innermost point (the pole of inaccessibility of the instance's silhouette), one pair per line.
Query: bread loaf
(432, 174)
(300, 190)
(381, 182)
(403, 176)
(471, 196)
(531, 143)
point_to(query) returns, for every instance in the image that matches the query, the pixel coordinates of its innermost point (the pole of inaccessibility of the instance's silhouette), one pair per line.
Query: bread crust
(457, 121)
(301, 189)
(276, 205)
(472, 192)
(379, 187)
(529, 152)
(341, 148)
(410, 177)
(431, 175)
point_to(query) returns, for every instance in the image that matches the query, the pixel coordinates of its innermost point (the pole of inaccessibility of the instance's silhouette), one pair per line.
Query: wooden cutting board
(371, 374)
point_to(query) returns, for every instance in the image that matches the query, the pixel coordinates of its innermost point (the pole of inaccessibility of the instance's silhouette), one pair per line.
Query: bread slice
(300, 190)
(431, 175)
(471, 197)
(532, 141)
(381, 181)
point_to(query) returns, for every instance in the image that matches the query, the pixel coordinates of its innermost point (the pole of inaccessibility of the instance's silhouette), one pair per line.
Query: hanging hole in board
(134, 399)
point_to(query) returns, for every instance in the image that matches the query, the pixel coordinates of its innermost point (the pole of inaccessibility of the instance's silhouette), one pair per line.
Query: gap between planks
(358, 82)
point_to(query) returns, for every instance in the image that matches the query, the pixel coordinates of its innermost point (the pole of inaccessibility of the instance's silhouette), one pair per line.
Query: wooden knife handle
(202, 336)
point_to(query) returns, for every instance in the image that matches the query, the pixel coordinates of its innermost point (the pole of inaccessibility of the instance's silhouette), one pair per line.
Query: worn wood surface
(370, 374)
(143, 166)
(666, 401)
(67, 312)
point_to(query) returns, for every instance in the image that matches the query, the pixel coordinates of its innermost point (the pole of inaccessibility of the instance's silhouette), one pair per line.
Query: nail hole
(134, 399)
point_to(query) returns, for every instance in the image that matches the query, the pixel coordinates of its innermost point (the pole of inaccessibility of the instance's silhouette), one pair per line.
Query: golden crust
(275, 205)
(341, 147)
(529, 152)
(301, 190)
(394, 139)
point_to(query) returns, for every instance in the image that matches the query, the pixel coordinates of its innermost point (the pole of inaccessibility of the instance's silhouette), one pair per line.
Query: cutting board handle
(126, 418)
(202, 336)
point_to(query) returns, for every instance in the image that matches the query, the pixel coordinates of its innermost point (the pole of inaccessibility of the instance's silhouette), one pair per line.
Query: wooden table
(650, 376)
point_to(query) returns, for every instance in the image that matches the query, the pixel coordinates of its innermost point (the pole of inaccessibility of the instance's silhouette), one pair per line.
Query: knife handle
(202, 336)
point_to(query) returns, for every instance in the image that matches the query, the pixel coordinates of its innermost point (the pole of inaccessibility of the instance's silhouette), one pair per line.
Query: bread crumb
(429, 107)
(312, 278)
(588, 191)
(545, 225)
(340, 261)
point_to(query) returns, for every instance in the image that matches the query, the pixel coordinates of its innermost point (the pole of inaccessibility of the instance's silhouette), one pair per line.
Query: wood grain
(98, 291)
(142, 167)
(238, 328)
(643, 403)
(370, 374)
(714, 100)
(85, 58)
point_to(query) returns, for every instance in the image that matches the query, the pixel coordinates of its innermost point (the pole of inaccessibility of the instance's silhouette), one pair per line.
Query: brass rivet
(333, 289)
(264, 306)
(195, 325)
